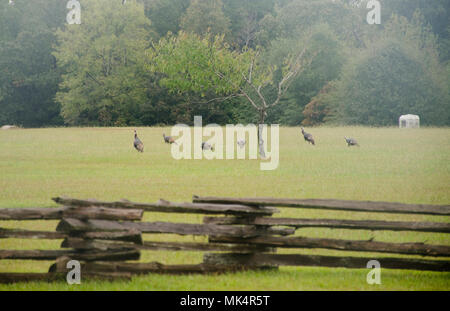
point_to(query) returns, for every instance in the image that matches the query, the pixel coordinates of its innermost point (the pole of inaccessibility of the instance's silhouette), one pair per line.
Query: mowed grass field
(410, 166)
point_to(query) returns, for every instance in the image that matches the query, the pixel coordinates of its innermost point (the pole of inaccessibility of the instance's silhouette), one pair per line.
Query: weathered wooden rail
(170, 207)
(75, 225)
(332, 223)
(106, 236)
(342, 205)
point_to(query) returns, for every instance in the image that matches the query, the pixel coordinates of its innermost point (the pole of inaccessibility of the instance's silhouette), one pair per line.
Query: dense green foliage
(398, 74)
(107, 71)
(103, 61)
(29, 76)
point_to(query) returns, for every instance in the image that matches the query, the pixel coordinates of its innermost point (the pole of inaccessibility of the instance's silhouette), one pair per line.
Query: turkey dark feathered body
(308, 137)
(138, 143)
(169, 139)
(351, 142)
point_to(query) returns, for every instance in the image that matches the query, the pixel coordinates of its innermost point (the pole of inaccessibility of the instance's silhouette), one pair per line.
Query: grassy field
(410, 166)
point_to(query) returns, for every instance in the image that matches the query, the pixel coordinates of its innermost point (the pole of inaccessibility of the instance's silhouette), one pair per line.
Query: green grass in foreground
(410, 166)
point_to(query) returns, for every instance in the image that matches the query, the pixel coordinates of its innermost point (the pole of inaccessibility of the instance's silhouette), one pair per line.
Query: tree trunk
(262, 115)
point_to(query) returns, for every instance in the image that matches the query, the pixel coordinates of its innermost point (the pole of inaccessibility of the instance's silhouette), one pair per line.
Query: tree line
(161, 62)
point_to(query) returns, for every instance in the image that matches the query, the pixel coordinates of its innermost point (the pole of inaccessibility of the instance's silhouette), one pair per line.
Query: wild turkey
(351, 142)
(169, 139)
(308, 137)
(138, 143)
(241, 143)
(207, 146)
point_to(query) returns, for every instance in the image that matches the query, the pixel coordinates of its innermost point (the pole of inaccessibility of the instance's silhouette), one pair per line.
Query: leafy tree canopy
(104, 59)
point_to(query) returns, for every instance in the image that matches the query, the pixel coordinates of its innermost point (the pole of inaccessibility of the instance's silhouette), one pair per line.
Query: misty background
(98, 73)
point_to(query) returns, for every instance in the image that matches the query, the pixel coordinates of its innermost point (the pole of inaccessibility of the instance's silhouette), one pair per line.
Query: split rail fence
(106, 237)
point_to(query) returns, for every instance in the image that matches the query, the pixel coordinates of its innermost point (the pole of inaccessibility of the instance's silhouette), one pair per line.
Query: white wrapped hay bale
(409, 121)
(9, 127)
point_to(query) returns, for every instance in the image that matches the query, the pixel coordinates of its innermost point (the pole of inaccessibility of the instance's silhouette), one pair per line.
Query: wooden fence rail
(332, 223)
(105, 236)
(344, 245)
(83, 244)
(164, 206)
(30, 234)
(93, 255)
(87, 212)
(343, 205)
(75, 225)
(323, 261)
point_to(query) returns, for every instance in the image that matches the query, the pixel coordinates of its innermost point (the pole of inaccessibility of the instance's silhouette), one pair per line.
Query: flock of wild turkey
(139, 146)
(309, 138)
